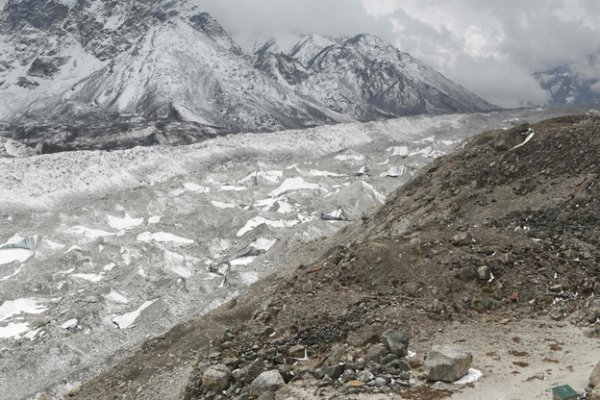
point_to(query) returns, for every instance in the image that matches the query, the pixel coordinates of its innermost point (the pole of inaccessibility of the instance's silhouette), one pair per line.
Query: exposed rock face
(76, 62)
(447, 364)
(365, 77)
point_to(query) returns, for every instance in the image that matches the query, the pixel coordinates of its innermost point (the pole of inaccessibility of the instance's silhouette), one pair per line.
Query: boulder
(484, 273)
(595, 377)
(267, 381)
(447, 364)
(396, 342)
(462, 239)
(216, 378)
(595, 393)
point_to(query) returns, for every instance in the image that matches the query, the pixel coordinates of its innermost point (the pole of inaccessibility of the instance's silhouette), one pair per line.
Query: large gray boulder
(215, 378)
(447, 364)
(396, 342)
(595, 377)
(267, 381)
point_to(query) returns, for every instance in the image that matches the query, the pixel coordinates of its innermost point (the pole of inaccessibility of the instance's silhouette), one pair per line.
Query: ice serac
(366, 78)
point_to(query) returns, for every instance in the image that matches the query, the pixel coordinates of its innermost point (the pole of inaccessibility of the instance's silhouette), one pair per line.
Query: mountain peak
(308, 47)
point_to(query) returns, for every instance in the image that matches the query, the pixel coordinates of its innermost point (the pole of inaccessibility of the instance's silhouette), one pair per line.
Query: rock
(411, 288)
(334, 371)
(356, 384)
(396, 342)
(595, 393)
(297, 351)
(507, 259)
(437, 307)
(374, 353)
(467, 274)
(216, 378)
(484, 273)
(462, 239)
(595, 377)
(74, 392)
(592, 332)
(447, 364)
(267, 381)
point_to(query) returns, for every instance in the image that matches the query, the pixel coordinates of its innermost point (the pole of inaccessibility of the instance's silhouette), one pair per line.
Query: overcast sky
(489, 46)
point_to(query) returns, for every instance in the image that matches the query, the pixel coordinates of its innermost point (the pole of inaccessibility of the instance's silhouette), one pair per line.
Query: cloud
(492, 47)
(254, 21)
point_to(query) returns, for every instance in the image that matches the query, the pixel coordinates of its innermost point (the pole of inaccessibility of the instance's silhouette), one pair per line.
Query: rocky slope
(499, 237)
(66, 65)
(365, 77)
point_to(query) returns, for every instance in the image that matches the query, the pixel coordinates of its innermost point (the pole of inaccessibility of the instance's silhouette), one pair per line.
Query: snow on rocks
(70, 324)
(14, 330)
(222, 205)
(125, 223)
(127, 320)
(17, 249)
(155, 219)
(94, 278)
(12, 308)
(92, 234)
(115, 297)
(294, 184)
(179, 264)
(472, 376)
(163, 237)
(258, 221)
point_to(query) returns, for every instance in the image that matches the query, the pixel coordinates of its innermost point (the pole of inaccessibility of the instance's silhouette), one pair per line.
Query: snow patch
(126, 320)
(125, 223)
(11, 308)
(472, 376)
(163, 237)
(221, 205)
(257, 221)
(95, 278)
(14, 330)
(293, 184)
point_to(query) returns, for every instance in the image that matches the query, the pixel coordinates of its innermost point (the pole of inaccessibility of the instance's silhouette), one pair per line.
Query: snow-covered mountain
(67, 64)
(365, 77)
(572, 84)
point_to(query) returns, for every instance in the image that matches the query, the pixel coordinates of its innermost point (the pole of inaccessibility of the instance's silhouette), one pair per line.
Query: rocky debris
(462, 239)
(267, 381)
(539, 243)
(216, 378)
(396, 342)
(447, 364)
(484, 273)
(595, 377)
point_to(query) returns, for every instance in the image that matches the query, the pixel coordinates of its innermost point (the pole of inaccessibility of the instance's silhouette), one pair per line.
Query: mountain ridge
(69, 63)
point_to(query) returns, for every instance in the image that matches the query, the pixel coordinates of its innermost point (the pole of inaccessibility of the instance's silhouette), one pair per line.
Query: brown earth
(529, 214)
